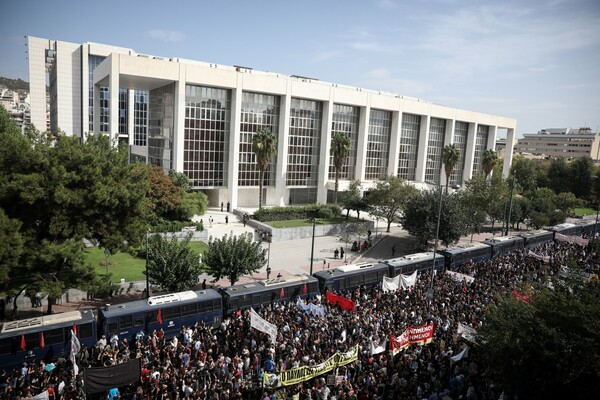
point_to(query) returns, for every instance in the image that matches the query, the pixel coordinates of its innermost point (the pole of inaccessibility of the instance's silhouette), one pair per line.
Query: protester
(234, 360)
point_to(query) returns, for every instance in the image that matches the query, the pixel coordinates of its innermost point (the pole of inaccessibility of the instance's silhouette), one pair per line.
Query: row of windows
(437, 132)
(409, 146)
(345, 120)
(461, 132)
(305, 121)
(378, 145)
(481, 139)
(51, 337)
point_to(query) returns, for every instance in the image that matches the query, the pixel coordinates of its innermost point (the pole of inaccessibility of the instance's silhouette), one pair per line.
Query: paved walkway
(289, 257)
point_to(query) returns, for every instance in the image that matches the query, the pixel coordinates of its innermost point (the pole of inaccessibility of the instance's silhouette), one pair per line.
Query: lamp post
(437, 232)
(147, 278)
(106, 254)
(269, 258)
(312, 246)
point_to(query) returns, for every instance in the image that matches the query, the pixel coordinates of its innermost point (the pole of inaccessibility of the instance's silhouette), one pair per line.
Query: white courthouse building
(199, 118)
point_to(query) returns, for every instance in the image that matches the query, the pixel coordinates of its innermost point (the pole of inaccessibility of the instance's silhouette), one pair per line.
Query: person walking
(227, 219)
(228, 206)
(342, 253)
(394, 250)
(221, 206)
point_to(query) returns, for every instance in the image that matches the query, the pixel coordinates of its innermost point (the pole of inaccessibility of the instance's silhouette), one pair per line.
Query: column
(234, 143)
(179, 120)
(113, 89)
(285, 103)
(422, 150)
(395, 143)
(362, 140)
(470, 151)
(508, 153)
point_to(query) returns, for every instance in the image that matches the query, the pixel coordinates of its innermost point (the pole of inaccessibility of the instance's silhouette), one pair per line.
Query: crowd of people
(230, 361)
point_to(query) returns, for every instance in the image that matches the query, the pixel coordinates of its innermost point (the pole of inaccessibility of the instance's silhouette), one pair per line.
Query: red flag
(520, 297)
(42, 341)
(159, 316)
(282, 294)
(304, 289)
(75, 328)
(23, 345)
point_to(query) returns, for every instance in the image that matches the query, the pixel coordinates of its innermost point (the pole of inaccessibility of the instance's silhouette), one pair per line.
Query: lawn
(580, 212)
(124, 265)
(294, 223)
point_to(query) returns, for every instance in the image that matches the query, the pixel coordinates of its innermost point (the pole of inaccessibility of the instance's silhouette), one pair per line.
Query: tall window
(140, 117)
(207, 130)
(480, 146)
(259, 111)
(409, 146)
(345, 120)
(161, 125)
(304, 142)
(461, 133)
(437, 131)
(123, 101)
(378, 144)
(93, 62)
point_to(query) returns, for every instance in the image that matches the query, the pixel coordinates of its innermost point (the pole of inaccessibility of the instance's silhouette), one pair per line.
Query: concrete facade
(201, 117)
(567, 143)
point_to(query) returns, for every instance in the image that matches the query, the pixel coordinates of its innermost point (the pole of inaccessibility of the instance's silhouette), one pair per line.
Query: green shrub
(297, 212)
(175, 226)
(325, 213)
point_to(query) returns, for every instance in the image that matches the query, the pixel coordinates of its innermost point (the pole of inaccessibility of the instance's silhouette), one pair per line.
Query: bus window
(188, 309)
(84, 331)
(125, 321)
(139, 320)
(54, 336)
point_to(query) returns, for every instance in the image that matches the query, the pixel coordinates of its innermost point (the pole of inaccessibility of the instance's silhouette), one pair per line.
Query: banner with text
(400, 281)
(259, 323)
(413, 335)
(545, 259)
(304, 373)
(571, 239)
(311, 309)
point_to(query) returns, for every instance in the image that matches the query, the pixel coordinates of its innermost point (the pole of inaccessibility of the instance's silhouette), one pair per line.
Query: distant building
(200, 119)
(564, 142)
(17, 105)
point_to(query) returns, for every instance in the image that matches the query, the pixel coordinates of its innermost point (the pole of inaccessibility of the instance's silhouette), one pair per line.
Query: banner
(545, 259)
(41, 396)
(379, 348)
(466, 332)
(523, 298)
(104, 378)
(461, 355)
(301, 374)
(344, 303)
(257, 322)
(311, 309)
(571, 239)
(458, 277)
(75, 348)
(400, 281)
(413, 335)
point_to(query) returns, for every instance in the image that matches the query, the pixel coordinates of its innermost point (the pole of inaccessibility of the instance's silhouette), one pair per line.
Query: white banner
(41, 396)
(75, 348)
(461, 355)
(257, 322)
(545, 259)
(466, 332)
(400, 281)
(457, 276)
(571, 239)
(380, 348)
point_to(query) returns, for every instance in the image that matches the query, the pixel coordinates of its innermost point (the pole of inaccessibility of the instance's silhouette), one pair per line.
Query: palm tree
(489, 159)
(450, 157)
(340, 150)
(264, 145)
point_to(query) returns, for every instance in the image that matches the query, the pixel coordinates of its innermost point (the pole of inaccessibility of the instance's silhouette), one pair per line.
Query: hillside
(14, 84)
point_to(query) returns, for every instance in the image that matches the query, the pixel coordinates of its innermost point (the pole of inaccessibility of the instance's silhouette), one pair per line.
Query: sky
(536, 61)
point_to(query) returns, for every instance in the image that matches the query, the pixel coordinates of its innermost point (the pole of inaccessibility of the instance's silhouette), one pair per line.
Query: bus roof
(270, 284)
(44, 321)
(502, 239)
(411, 258)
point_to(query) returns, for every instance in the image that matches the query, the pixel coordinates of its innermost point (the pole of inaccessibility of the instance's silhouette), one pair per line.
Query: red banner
(523, 298)
(413, 335)
(344, 303)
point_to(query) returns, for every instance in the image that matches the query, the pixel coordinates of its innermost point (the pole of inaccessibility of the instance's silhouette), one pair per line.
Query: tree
(559, 175)
(389, 198)
(421, 213)
(450, 158)
(340, 150)
(352, 199)
(171, 263)
(180, 179)
(264, 145)
(192, 203)
(11, 244)
(233, 257)
(542, 349)
(61, 190)
(163, 194)
(489, 159)
(581, 172)
(566, 202)
(525, 173)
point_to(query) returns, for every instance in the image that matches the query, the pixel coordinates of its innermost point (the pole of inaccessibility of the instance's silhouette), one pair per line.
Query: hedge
(176, 226)
(297, 212)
